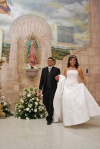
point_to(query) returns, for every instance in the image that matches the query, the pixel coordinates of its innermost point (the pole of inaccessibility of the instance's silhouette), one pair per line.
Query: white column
(1, 39)
(42, 62)
(13, 58)
(47, 52)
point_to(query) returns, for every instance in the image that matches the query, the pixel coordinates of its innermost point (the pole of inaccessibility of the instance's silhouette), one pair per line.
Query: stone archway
(14, 78)
(21, 29)
(25, 26)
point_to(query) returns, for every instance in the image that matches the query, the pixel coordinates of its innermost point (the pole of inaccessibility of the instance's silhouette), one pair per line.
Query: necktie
(49, 69)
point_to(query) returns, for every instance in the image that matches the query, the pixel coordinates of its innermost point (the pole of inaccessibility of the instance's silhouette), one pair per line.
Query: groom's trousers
(48, 97)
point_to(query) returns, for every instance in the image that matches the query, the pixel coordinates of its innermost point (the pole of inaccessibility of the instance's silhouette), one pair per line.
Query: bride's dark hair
(73, 56)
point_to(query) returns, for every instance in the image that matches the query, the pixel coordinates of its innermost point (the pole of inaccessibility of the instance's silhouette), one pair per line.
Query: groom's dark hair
(51, 58)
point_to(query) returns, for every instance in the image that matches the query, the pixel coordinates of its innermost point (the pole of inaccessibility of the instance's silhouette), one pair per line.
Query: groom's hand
(41, 96)
(57, 78)
(39, 91)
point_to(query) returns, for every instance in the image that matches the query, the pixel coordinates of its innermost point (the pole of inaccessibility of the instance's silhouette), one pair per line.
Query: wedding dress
(73, 103)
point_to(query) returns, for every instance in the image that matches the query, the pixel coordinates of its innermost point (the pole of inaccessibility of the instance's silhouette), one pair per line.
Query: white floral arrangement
(6, 106)
(30, 105)
(28, 66)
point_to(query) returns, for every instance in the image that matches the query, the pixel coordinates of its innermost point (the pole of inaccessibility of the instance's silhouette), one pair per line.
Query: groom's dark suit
(48, 85)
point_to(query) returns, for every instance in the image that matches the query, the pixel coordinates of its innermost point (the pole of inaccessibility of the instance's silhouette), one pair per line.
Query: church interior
(58, 29)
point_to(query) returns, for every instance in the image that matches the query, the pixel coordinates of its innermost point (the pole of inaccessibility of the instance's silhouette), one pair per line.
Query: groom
(48, 85)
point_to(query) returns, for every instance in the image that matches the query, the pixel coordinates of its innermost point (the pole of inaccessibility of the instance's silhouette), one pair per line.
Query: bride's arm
(65, 70)
(81, 75)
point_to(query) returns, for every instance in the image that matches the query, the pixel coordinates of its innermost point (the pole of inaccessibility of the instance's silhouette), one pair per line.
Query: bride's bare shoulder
(79, 69)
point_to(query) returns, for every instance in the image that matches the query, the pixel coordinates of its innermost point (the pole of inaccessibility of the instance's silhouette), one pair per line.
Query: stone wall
(89, 57)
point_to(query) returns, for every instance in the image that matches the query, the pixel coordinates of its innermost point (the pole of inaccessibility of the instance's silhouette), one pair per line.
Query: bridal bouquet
(30, 105)
(5, 107)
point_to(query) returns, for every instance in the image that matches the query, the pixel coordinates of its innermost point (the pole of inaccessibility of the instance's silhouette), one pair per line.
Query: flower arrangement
(30, 105)
(28, 66)
(5, 107)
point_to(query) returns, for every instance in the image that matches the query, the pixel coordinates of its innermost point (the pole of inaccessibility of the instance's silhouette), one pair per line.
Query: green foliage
(6, 50)
(59, 54)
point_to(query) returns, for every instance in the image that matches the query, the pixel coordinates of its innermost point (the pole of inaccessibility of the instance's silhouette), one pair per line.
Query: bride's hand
(57, 78)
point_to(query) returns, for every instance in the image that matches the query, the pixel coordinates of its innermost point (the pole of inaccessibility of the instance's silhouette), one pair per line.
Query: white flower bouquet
(30, 105)
(5, 104)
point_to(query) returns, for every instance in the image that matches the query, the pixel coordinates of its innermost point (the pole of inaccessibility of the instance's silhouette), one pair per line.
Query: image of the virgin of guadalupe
(32, 50)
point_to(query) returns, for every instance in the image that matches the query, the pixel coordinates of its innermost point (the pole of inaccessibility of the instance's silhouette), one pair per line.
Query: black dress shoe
(49, 123)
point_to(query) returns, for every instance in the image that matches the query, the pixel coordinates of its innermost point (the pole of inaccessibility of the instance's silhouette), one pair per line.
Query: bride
(73, 103)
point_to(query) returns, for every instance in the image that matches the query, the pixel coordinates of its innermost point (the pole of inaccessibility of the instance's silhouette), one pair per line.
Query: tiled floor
(36, 134)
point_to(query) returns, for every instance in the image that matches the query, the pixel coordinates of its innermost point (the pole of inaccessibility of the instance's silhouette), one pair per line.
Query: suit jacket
(43, 80)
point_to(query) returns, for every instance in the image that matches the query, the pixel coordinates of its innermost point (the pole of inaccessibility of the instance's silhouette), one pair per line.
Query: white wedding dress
(73, 103)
